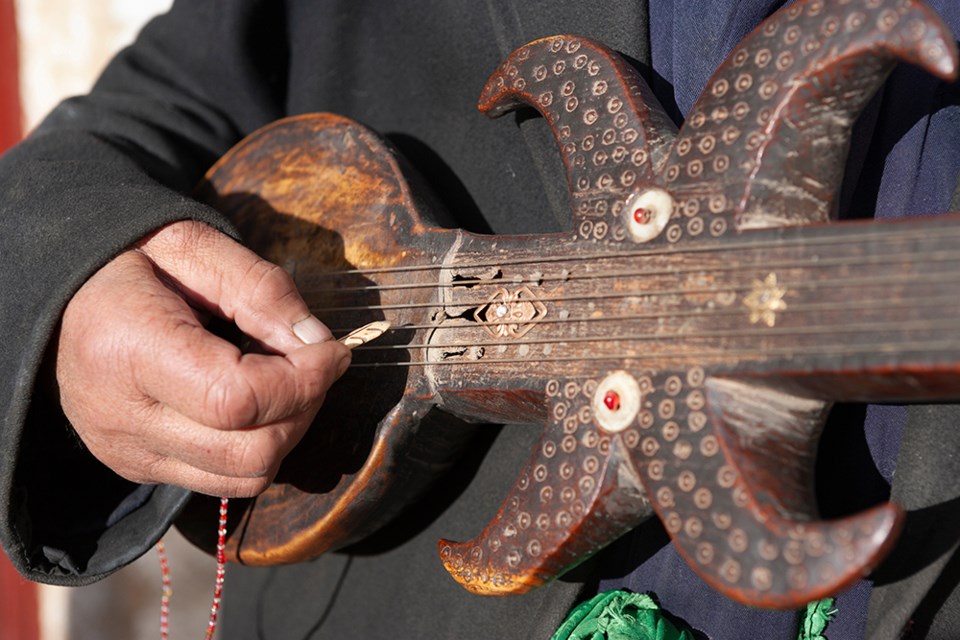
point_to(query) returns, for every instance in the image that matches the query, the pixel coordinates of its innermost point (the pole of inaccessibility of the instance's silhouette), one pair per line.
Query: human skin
(159, 398)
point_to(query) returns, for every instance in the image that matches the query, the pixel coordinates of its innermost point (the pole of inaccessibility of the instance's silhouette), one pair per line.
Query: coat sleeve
(102, 171)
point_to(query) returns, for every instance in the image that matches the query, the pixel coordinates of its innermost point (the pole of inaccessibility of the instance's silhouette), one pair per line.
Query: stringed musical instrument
(681, 346)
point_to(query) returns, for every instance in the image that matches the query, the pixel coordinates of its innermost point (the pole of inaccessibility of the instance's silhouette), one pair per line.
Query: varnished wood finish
(320, 195)
(683, 357)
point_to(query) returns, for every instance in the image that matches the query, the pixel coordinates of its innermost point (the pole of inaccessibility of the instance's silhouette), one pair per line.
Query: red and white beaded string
(354, 339)
(167, 590)
(218, 584)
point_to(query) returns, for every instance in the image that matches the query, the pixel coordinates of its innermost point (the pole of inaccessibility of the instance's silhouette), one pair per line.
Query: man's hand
(158, 398)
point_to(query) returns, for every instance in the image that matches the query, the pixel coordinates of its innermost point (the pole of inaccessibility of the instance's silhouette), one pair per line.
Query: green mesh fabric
(619, 615)
(815, 619)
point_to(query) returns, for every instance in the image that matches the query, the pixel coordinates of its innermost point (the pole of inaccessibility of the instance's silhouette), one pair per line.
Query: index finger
(224, 277)
(210, 381)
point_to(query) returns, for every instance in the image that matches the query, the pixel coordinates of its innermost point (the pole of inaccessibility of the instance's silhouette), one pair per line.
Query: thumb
(222, 276)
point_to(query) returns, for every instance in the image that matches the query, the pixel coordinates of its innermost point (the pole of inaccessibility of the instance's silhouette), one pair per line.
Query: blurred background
(51, 49)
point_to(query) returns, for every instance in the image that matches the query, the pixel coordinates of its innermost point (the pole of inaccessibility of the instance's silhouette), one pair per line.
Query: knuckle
(250, 462)
(270, 283)
(230, 402)
(301, 397)
(257, 458)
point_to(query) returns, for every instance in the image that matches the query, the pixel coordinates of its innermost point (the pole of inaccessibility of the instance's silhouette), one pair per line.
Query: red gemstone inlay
(641, 215)
(612, 400)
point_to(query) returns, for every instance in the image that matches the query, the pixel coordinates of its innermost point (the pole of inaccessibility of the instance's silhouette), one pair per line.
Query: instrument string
(866, 234)
(873, 246)
(813, 262)
(947, 307)
(938, 303)
(833, 283)
(862, 327)
(925, 348)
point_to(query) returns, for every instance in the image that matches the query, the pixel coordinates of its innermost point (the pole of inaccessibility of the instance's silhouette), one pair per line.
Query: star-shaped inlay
(765, 300)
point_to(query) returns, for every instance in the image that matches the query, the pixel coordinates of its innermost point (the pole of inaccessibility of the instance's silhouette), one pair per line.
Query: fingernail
(311, 331)
(343, 365)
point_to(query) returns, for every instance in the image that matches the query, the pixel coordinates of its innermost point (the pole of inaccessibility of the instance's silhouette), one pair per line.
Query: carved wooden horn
(613, 133)
(763, 146)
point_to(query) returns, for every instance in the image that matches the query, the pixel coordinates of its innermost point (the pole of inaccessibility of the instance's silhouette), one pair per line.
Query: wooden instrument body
(682, 348)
